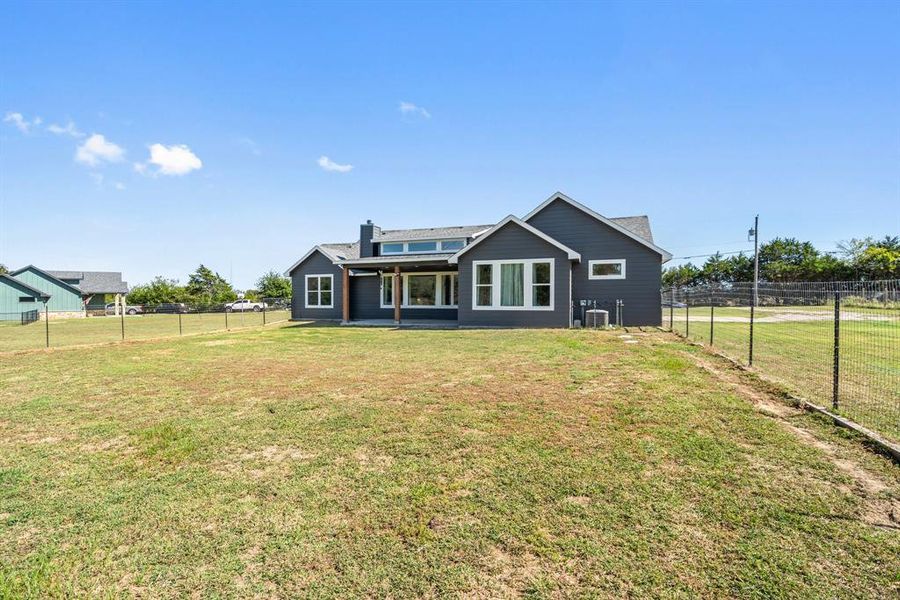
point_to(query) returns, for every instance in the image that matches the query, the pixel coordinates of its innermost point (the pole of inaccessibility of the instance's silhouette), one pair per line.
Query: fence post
(712, 316)
(179, 324)
(687, 317)
(264, 311)
(836, 372)
(672, 311)
(226, 319)
(122, 319)
(47, 324)
(752, 312)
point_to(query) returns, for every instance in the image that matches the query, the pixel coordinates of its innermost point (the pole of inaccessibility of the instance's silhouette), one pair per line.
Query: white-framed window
(319, 291)
(421, 246)
(606, 269)
(513, 284)
(422, 290)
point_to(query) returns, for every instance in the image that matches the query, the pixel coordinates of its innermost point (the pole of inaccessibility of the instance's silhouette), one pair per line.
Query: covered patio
(408, 286)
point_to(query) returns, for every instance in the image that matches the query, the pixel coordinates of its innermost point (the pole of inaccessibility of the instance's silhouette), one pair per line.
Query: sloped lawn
(336, 462)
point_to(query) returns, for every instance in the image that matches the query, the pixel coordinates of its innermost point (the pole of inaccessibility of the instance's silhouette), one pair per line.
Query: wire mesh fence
(43, 329)
(833, 343)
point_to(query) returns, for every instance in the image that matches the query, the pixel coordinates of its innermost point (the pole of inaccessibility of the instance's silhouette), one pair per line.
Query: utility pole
(755, 234)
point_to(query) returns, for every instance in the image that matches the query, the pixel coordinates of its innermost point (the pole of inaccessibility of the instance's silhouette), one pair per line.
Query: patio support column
(397, 295)
(345, 294)
(118, 303)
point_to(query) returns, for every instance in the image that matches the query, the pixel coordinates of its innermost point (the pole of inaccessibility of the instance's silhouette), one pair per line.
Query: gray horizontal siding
(315, 264)
(510, 242)
(596, 241)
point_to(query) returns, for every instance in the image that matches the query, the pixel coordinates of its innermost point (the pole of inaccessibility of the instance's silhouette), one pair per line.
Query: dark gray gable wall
(510, 242)
(596, 241)
(315, 264)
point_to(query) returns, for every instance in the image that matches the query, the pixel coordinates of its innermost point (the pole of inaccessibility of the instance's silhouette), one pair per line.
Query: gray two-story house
(537, 271)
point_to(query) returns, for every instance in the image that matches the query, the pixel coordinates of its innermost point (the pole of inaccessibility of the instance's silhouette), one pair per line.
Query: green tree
(273, 285)
(3, 269)
(686, 274)
(206, 287)
(159, 290)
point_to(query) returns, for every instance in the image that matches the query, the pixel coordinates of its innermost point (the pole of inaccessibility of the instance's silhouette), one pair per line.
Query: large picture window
(319, 291)
(421, 290)
(606, 269)
(513, 284)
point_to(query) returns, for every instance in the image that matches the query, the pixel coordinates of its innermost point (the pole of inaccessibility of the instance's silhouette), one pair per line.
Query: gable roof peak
(666, 256)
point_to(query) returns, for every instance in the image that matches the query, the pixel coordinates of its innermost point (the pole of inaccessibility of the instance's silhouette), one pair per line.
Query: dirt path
(879, 508)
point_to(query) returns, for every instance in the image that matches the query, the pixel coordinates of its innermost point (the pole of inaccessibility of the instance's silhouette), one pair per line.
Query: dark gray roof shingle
(95, 282)
(639, 225)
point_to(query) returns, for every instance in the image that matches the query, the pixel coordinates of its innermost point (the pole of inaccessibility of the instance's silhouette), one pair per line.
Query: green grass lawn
(93, 330)
(800, 354)
(339, 462)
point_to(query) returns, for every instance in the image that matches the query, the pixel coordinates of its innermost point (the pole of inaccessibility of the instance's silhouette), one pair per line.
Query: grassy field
(336, 462)
(93, 330)
(795, 347)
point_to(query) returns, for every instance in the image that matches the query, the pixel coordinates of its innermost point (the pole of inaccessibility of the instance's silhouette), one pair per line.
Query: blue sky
(214, 118)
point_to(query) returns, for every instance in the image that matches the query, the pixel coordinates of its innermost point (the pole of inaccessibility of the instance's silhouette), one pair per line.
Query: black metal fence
(43, 329)
(833, 343)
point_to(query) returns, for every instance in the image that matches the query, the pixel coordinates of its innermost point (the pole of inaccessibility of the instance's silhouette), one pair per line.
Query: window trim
(439, 246)
(528, 277)
(306, 290)
(404, 284)
(605, 261)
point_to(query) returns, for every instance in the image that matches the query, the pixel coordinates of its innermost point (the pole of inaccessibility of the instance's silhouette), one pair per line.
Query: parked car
(135, 309)
(245, 305)
(668, 303)
(172, 308)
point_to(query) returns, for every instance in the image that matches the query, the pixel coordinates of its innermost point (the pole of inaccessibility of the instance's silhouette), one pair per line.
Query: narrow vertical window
(387, 290)
(540, 284)
(484, 289)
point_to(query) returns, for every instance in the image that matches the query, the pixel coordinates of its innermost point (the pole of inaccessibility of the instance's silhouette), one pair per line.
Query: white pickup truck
(245, 306)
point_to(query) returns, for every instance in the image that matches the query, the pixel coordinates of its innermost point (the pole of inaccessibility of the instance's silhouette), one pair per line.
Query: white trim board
(572, 255)
(666, 256)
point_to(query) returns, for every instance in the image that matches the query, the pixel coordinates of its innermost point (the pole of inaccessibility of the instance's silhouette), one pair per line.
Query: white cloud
(410, 109)
(329, 165)
(119, 185)
(176, 159)
(69, 129)
(20, 122)
(96, 150)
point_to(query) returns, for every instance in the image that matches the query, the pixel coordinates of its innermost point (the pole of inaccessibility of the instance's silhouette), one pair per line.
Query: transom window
(513, 284)
(422, 290)
(319, 291)
(421, 246)
(606, 269)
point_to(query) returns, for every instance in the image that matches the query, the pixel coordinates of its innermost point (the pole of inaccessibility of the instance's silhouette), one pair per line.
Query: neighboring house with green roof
(18, 298)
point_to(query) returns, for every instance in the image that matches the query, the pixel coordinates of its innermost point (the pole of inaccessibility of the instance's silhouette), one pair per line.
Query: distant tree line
(788, 259)
(205, 287)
